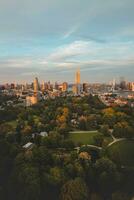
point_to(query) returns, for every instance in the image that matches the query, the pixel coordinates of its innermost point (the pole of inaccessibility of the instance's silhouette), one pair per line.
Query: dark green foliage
(74, 190)
(53, 168)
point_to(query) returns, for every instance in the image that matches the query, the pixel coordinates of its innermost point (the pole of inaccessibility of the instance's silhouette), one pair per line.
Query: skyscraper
(36, 86)
(85, 87)
(64, 86)
(30, 100)
(77, 78)
(77, 86)
(43, 86)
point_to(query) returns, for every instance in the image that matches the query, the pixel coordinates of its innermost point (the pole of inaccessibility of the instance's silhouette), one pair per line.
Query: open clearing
(122, 153)
(83, 137)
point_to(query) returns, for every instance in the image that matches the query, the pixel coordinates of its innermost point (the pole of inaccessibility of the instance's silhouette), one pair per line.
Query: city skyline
(52, 39)
(76, 77)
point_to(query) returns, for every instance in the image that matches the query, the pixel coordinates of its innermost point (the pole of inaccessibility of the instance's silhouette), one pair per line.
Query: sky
(51, 39)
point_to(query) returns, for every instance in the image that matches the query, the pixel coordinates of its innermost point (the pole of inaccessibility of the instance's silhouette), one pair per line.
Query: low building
(28, 146)
(44, 134)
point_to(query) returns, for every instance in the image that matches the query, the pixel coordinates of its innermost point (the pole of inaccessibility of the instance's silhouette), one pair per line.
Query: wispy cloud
(70, 31)
(16, 63)
(76, 48)
(91, 50)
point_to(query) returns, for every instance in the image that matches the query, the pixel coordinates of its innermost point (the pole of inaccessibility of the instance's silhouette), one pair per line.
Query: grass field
(83, 137)
(13, 124)
(122, 153)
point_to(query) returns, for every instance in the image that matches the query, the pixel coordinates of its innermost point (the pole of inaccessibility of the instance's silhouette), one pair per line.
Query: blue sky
(52, 38)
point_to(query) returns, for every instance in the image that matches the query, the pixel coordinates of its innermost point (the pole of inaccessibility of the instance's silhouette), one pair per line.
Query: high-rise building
(77, 77)
(36, 86)
(36, 89)
(30, 100)
(77, 86)
(131, 86)
(64, 86)
(85, 87)
(43, 86)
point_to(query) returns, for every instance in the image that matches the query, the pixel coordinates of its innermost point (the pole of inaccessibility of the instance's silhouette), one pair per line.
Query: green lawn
(83, 137)
(122, 153)
(13, 124)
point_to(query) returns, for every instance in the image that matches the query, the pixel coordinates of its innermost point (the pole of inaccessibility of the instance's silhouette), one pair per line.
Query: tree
(107, 175)
(95, 196)
(98, 139)
(27, 181)
(74, 190)
(83, 123)
(109, 116)
(6, 128)
(8, 153)
(122, 129)
(93, 152)
(105, 130)
(84, 156)
(27, 130)
(56, 175)
(119, 196)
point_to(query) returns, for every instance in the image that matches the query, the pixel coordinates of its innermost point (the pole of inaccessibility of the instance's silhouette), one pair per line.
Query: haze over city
(51, 39)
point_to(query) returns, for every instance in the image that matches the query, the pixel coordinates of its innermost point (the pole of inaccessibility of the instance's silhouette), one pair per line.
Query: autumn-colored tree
(74, 190)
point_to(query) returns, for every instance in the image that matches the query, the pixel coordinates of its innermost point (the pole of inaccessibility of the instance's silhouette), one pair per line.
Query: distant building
(31, 100)
(74, 88)
(64, 86)
(12, 86)
(77, 78)
(43, 134)
(56, 86)
(36, 87)
(28, 146)
(43, 86)
(131, 86)
(77, 86)
(85, 87)
(123, 83)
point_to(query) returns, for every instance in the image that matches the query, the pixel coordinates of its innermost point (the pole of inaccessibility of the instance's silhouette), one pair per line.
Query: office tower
(64, 86)
(36, 86)
(43, 86)
(77, 78)
(77, 86)
(131, 86)
(85, 87)
(30, 100)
